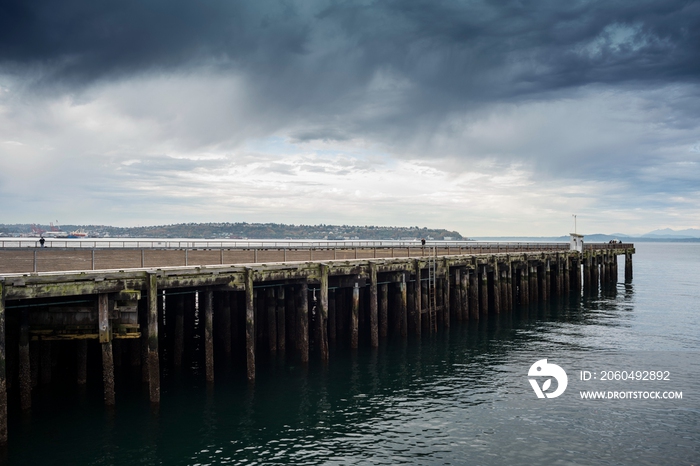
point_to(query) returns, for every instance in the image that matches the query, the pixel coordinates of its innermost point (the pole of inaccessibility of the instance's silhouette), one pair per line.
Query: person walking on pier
(42, 241)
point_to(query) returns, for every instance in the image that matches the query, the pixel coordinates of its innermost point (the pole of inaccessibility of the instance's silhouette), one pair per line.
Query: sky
(490, 118)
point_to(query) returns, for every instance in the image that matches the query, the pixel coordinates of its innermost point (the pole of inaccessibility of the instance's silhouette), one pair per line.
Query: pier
(293, 300)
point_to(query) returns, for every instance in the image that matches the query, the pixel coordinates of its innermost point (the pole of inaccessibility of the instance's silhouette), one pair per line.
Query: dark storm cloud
(452, 52)
(423, 78)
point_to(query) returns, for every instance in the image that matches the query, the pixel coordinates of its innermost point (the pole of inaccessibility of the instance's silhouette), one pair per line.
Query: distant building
(576, 242)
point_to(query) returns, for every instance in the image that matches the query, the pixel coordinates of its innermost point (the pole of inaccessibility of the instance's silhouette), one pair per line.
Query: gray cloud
(599, 91)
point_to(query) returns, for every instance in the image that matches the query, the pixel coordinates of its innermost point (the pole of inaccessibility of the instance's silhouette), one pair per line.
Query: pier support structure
(352, 298)
(628, 266)
(250, 326)
(153, 359)
(105, 337)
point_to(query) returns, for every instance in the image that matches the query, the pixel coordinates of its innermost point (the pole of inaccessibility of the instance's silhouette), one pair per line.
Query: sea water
(462, 396)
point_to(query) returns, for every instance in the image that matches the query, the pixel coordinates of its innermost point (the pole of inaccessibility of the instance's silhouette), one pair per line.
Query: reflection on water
(458, 397)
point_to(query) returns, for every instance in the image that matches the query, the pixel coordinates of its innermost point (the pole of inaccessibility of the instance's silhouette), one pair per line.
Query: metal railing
(277, 244)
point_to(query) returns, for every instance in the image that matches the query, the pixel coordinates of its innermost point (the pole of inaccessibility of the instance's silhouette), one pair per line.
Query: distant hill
(242, 230)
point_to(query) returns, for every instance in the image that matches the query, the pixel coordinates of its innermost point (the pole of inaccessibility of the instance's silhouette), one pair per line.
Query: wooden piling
(383, 310)
(547, 280)
(496, 288)
(525, 285)
(534, 283)
(473, 294)
(463, 290)
(25, 373)
(511, 287)
(282, 320)
(417, 298)
(373, 306)
(105, 338)
(3, 375)
(439, 300)
(504, 287)
(562, 275)
(425, 319)
(603, 269)
(499, 286)
(303, 322)
(249, 325)
(611, 268)
(628, 266)
(484, 291)
(403, 306)
(579, 273)
(322, 317)
(271, 314)
(209, 335)
(143, 341)
(354, 323)
(458, 295)
(446, 296)
(153, 361)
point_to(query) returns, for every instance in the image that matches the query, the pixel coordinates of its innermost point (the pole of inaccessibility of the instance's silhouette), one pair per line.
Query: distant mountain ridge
(669, 233)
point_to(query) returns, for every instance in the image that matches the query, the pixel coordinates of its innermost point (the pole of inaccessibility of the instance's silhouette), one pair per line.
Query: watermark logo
(543, 369)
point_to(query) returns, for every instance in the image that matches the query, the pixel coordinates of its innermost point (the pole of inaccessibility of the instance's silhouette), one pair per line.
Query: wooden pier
(299, 302)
